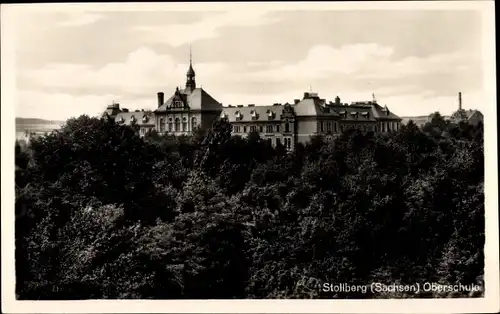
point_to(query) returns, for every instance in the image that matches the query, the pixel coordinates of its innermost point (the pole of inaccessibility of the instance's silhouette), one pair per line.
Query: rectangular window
(329, 127)
(252, 128)
(269, 129)
(244, 129)
(170, 127)
(321, 126)
(335, 126)
(278, 128)
(287, 127)
(184, 126)
(278, 141)
(288, 142)
(270, 141)
(261, 129)
(342, 128)
(236, 129)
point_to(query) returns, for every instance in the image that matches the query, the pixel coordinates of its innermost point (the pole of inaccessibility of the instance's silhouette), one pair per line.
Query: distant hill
(36, 125)
(35, 121)
(418, 120)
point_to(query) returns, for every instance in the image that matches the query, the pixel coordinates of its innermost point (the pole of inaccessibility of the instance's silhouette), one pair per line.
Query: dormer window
(365, 114)
(386, 110)
(132, 119)
(238, 115)
(121, 120)
(270, 115)
(145, 119)
(223, 115)
(254, 115)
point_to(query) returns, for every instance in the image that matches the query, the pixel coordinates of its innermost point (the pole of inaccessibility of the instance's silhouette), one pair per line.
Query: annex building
(192, 107)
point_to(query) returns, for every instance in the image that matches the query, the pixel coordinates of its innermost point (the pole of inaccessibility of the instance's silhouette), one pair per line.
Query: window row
(361, 127)
(389, 126)
(177, 126)
(328, 126)
(269, 128)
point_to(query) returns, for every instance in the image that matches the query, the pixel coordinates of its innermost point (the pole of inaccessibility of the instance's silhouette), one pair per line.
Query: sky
(73, 62)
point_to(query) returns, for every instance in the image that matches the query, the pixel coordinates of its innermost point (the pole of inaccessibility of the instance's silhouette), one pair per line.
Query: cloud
(424, 103)
(208, 27)
(79, 19)
(272, 63)
(143, 71)
(369, 61)
(55, 106)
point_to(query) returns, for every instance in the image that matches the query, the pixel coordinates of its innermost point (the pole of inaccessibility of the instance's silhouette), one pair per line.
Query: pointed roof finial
(190, 71)
(310, 89)
(373, 96)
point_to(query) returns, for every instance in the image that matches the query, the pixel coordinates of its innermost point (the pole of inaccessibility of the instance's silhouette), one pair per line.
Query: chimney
(161, 97)
(296, 101)
(460, 101)
(337, 101)
(306, 95)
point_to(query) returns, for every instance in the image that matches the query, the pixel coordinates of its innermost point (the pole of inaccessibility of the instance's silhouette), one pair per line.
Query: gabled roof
(465, 114)
(471, 112)
(308, 107)
(383, 113)
(198, 99)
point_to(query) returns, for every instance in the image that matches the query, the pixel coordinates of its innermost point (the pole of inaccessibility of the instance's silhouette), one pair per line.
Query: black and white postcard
(249, 157)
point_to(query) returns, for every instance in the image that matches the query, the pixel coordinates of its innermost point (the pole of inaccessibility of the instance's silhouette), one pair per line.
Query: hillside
(35, 121)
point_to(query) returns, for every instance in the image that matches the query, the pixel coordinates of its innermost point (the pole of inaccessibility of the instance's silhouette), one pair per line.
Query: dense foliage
(103, 213)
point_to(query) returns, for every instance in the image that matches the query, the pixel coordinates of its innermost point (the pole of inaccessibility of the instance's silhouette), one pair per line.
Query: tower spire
(190, 75)
(459, 100)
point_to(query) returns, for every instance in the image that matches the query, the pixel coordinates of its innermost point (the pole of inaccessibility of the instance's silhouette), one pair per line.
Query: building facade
(186, 109)
(470, 116)
(145, 120)
(191, 108)
(288, 124)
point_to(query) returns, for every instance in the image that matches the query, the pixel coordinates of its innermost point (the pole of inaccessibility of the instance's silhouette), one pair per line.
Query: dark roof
(253, 113)
(190, 70)
(470, 113)
(354, 112)
(143, 118)
(311, 107)
(383, 113)
(465, 114)
(198, 99)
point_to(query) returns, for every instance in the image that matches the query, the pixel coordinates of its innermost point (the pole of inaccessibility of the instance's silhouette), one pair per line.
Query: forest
(102, 213)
